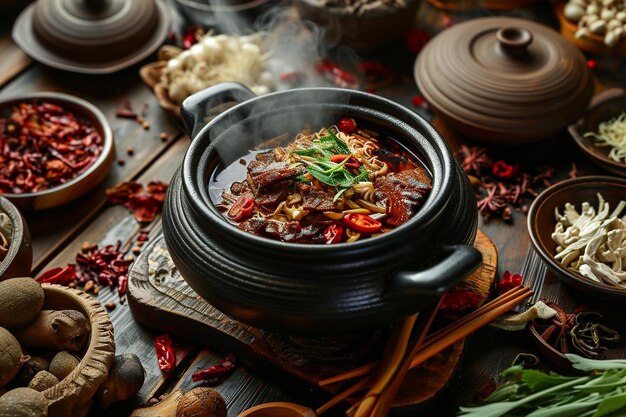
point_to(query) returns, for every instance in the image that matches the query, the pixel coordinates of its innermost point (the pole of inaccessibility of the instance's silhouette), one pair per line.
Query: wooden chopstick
(366, 369)
(361, 385)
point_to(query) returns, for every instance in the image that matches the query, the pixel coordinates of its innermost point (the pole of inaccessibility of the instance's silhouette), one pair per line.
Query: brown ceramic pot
(504, 80)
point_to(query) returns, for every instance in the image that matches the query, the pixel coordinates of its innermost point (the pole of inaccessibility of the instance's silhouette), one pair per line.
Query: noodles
(327, 186)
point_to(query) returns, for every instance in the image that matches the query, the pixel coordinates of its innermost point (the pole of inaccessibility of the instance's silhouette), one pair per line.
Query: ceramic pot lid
(92, 35)
(505, 75)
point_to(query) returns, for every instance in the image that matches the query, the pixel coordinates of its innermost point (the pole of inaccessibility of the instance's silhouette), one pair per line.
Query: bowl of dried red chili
(53, 149)
(16, 252)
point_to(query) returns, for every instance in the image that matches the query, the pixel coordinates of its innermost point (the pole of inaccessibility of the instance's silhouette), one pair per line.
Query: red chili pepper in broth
(333, 233)
(352, 161)
(242, 208)
(216, 371)
(362, 223)
(165, 352)
(347, 125)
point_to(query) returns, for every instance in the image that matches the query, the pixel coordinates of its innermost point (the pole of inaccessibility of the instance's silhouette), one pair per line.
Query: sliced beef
(294, 232)
(262, 175)
(266, 157)
(403, 193)
(270, 197)
(238, 188)
(254, 225)
(314, 199)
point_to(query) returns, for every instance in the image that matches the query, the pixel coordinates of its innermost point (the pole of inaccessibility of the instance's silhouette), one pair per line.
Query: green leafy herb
(530, 393)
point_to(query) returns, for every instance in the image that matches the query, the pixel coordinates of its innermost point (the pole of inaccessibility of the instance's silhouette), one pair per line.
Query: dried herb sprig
(501, 187)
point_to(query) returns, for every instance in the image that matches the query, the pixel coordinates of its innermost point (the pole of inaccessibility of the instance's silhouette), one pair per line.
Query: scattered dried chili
(419, 101)
(216, 371)
(416, 39)
(460, 300)
(336, 75)
(375, 73)
(166, 357)
(509, 281)
(43, 145)
(144, 203)
(581, 330)
(191, 37)
(61, 276)
(499, 186)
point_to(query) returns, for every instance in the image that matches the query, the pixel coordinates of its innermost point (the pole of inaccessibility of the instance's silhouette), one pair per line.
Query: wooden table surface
(59, 233)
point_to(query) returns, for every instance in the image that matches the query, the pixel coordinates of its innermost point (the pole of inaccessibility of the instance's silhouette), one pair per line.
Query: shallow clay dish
(87, 180)
(94, 36)
(592, 43)
(604, 107)
(541, 224)
(365, 32)
(18, 260)
(73, 396)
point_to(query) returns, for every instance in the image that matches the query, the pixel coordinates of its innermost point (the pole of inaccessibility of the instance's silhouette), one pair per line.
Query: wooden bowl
(363, 33)
(73, 396)
(604, 106)
(151, 74)
(87, 180)
(19, 258)
(593, 43)
(541, 224)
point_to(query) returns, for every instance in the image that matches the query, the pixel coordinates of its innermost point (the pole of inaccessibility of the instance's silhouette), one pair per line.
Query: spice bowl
(18, 258)
(604, 106)
(363, 32)
(85, 112)
(542, 222)
(73, 396)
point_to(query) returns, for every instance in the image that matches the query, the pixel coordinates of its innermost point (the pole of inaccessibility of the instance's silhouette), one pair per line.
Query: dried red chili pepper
(166, 356)
(509, 281)
(351, 163)
(416, 39)
(460, 300)
(347, 125)
(42, 145)
(242, 208)
(106, 265)
(216, 371)
(337, 75)
(419, 101)
(190, 38)
(61, 276)
(333, 233)
(503, 170)
(145, 203)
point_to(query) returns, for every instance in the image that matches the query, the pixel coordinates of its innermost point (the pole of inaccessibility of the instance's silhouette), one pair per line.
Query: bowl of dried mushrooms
(578, 227)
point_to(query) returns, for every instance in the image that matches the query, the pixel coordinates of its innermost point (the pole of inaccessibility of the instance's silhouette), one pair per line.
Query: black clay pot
(305, 288)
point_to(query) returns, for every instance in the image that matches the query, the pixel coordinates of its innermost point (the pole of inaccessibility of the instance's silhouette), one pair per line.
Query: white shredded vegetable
(613, 134)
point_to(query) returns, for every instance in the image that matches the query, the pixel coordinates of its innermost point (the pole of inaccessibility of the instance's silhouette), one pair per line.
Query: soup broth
(322, 186)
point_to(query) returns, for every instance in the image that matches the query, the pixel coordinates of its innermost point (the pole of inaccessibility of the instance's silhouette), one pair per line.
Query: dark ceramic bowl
(227, 16)
(18, 260)
(541, 224)
(307, 288)
(88, 179)
(366, 32)
(604, 107)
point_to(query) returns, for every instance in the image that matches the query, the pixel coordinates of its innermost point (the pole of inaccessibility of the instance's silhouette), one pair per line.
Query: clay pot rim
(240, 7)
(86, 109)
(343, 11)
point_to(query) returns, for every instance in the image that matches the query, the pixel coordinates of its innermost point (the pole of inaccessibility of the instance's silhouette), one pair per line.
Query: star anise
(473, 160)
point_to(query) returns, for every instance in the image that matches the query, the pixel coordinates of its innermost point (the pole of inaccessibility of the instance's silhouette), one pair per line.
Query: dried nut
(55, 329)
(201, 401)
(23, 402)
(607, 14)
(125, 379)
(63, 364)
(11, 358)
(592, 9)
(611, 39)
(573, 12)
(20, 301)
(31, 368)
(591, 18)
(621, 16)
(619, 32)
(110, 306)
(613, 24)
(607, 3)
(42, 381)
(598, 27)
(581, 3)
(89, 285)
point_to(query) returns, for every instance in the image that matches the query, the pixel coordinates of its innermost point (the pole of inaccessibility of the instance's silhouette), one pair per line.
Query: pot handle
(453, 263)
(196, 107)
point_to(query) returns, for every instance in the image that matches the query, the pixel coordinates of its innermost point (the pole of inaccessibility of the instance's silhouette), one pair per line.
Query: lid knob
(94, 4)
(514, 39)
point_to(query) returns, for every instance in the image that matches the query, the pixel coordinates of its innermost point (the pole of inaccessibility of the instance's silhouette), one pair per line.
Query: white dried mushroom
(216, 59)
(606, 18)
(593, 242)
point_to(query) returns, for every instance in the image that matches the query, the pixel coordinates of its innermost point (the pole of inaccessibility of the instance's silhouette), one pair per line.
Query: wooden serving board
(159, 298)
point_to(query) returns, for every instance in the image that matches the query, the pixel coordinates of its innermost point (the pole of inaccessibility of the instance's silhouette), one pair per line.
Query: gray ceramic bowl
(18, 260)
